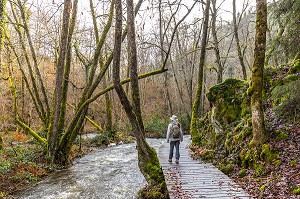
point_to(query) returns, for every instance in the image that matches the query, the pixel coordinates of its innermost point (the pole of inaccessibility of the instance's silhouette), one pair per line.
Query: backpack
(175, 130)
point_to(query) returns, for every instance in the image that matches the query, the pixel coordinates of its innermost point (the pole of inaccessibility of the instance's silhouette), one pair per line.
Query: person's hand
(167, 141)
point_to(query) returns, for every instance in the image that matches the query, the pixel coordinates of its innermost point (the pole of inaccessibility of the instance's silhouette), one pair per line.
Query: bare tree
(236, 36)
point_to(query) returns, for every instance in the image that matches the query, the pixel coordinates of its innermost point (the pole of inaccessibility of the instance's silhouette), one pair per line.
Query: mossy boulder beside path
(229, 103)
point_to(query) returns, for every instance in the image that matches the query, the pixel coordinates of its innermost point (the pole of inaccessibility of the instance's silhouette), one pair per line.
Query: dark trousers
(176, 145)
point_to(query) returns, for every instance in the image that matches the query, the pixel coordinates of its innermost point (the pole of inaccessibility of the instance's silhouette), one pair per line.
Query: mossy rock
(280, 135)
(248, 157)
(242, 173)
(228, 98)
(227, 169)
(260, 170)
(267, 154)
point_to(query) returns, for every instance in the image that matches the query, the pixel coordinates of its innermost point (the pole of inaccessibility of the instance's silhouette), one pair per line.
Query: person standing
(174, 137)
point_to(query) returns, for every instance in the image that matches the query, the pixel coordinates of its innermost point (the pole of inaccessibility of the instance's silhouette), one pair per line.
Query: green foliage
(5, 166)
(287, 101)
(157, 125)
(102, 139)
(286, 13)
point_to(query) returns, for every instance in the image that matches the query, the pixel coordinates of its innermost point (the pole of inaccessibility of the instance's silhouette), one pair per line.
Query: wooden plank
(195, 179)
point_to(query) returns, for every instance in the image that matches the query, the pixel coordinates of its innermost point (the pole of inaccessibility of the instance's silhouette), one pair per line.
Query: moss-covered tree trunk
(2, 27)
(256, 85)
(196, 106)
(147, 157)
(56, 129)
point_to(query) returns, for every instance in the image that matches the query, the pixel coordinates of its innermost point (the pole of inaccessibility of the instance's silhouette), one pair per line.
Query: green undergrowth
(225, 132)
(156, 127)
(22, 165)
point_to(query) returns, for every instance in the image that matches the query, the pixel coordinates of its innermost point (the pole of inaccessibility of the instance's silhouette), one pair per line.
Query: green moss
(263, 187)
(154, 192)
(156, 187)
(260, 170)
(290, 78)
(295, 68)
(293, 163)
(277, 163)
(227, 98)
(280, 135)
(267, 154)
(207, 154)
(242, 173)
(296, 191)
(226, 169)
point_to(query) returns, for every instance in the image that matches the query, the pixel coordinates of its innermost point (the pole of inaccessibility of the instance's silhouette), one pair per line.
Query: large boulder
(229, 102)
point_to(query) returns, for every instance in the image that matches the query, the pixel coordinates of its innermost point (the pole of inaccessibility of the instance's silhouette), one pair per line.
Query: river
(109, 173)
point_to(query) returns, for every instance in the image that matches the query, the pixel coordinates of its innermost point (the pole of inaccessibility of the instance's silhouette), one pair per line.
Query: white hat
(173, 118)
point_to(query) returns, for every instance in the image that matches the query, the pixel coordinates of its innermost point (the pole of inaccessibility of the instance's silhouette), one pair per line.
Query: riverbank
(24, 163)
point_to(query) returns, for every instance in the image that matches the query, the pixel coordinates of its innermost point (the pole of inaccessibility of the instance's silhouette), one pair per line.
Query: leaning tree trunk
(147, 157)
(256, 85)
(197, 102)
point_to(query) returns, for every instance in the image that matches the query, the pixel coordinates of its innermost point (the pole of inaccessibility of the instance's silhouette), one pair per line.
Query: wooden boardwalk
(194, 179)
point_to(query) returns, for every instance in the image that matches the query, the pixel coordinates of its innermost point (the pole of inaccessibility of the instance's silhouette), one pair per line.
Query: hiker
(174, 136)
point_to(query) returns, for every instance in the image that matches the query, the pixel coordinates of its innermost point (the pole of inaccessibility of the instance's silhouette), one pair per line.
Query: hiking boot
(170, 160)
(177, 161)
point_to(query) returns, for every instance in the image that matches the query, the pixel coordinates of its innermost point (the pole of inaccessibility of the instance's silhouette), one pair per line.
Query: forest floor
(277, 179)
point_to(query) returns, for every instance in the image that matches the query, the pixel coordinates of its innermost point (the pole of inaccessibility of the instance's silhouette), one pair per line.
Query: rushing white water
(110, 173)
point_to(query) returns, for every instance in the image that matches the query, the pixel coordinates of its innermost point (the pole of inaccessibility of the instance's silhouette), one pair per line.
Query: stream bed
(109, 173)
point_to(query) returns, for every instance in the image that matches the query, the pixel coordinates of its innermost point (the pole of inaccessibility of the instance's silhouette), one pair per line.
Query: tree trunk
(236, 36)
(256, 85)
(55, 132)
(2, 28)
(147, 157)
(196, 105)
(216, 42)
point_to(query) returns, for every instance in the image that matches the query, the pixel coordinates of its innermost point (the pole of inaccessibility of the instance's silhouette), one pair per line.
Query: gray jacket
(169, 130)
